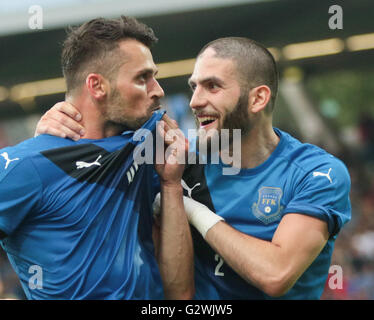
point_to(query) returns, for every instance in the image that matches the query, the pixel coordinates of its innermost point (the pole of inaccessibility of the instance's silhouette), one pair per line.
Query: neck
(93, 121)
(256, 147)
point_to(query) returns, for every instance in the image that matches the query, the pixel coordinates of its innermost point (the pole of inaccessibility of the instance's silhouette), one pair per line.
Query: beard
(238, 118)
(114, 112)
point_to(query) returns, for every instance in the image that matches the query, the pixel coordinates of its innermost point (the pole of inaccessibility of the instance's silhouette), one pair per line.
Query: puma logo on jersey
(131, 172)
(188, 189)
(82, 164)
(321, 174)
(8, 161)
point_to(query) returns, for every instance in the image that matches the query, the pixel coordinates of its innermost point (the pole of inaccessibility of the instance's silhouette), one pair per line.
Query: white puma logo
(82, 164)
(6, 157)
(327, 175)
(131, 172)
(188, 189)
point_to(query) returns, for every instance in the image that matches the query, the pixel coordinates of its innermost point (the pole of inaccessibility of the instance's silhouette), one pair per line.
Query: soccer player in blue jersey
(283, 210)
(76, 216)
(268, 231)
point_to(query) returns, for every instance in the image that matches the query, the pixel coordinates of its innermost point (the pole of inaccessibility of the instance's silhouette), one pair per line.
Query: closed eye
(143, 77)
(146, 75)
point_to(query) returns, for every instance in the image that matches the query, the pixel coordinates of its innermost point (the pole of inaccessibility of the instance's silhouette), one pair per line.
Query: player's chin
(209, 138)
(209, 131)
(136, 123)
(148, 115)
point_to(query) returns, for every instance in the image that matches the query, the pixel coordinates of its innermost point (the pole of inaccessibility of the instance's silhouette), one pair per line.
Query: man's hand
(62, 120)
(176, 149)
(175, 250)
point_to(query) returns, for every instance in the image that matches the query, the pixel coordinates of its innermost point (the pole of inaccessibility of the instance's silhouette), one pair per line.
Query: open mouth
(206, 121)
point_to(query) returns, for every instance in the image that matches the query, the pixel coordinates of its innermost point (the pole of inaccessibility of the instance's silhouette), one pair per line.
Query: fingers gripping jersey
(78, 218)
(296, 178)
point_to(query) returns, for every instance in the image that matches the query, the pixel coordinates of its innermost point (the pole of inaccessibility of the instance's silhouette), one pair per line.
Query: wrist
(200, 216)
(171, 185)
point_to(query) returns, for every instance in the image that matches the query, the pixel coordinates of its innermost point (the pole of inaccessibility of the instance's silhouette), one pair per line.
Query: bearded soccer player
(267, 231)
(80, 213)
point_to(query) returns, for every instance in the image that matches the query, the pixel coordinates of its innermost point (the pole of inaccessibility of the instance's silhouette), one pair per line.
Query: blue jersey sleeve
(20, 191)
(324, 194)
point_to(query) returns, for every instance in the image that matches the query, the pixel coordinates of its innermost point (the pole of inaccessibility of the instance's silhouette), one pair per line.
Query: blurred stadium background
(326, 86)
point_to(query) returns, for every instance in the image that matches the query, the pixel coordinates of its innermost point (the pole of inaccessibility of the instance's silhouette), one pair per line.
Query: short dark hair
(90, 47)
(255, 64)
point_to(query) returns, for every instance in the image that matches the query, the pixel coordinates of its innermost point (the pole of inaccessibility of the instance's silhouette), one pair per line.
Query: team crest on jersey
(268, 207)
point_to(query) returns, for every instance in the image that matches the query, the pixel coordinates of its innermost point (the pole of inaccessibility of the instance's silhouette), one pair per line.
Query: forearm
(272, 266)
(176, 250)
(260, 262)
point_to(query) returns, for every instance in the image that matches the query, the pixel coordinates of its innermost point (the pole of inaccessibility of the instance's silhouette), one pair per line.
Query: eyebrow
(206, 80)
(147, 71)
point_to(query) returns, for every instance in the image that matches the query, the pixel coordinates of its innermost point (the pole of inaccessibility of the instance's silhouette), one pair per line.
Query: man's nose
(198, 100)
(157, 91)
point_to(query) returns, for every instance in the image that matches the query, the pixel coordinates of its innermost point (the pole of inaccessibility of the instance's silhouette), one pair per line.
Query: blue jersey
(78, 218)
(296, 178)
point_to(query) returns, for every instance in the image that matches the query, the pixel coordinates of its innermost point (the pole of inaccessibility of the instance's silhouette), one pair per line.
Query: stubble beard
(115, 113)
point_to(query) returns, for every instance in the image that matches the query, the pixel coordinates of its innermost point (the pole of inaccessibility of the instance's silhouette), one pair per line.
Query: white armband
(200, 216)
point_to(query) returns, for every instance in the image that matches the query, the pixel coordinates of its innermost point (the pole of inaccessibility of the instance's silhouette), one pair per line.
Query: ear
(97, 86)
(259, 98)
